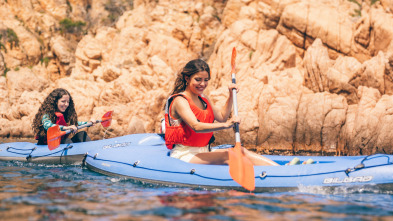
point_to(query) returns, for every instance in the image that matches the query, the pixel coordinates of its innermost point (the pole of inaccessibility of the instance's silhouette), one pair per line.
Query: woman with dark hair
(58, 108)
(190, 116)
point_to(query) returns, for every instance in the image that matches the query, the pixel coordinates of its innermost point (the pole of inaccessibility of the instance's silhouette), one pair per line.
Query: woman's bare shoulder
(180, 101)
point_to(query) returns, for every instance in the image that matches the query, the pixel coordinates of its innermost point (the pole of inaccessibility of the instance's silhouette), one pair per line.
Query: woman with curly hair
(58, 108)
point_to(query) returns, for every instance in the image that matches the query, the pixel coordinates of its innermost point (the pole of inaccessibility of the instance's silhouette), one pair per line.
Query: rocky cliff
(314, 76)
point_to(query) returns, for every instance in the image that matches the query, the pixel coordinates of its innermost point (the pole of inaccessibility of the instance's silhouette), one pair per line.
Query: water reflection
(41, 192)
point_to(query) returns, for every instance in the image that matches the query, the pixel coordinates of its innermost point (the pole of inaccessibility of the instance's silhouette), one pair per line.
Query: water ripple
(52, 192)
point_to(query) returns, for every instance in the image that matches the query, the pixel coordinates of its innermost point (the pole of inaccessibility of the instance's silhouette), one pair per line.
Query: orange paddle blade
(107, 119)
(233, 60)
(241, 168)
(54, 137)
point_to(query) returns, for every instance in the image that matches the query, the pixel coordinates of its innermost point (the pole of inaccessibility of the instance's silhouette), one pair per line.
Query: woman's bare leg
(221, 157)
(259, 160)
(218, 157)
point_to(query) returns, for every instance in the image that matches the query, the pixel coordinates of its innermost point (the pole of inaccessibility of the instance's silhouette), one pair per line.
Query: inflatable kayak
(70, 153)
(152, 164)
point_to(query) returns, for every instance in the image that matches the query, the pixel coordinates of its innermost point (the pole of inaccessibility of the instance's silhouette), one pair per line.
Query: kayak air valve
(95, 156)
(136, 163)
(192, 171)
(263, 175)
(357, 167)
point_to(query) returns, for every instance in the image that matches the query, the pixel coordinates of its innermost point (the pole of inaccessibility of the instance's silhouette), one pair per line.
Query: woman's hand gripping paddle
(240, 167)
(54, 134)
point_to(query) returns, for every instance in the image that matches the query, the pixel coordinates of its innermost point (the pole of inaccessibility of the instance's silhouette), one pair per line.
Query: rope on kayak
(192, 172)
(84, 160)
(263, 174)
(29, 156)
(9, 147)
(359, 166)
(24, 154)
(64, 149)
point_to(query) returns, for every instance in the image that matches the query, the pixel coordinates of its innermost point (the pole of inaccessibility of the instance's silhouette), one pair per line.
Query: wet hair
(49, 107)
(191, 68)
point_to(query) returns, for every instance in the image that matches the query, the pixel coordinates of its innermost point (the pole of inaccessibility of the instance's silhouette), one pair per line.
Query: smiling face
(198, 82)
(63, 103)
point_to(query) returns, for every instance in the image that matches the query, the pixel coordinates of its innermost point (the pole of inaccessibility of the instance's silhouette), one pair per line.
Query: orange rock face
(314, 76)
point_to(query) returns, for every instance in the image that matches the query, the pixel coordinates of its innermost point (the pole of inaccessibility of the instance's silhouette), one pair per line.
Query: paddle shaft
(234, 97)
(241, 168)
(83, 126)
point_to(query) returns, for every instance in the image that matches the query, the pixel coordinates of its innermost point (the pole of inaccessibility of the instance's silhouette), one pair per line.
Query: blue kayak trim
(69, 153)
(145, 158)
(147, 163)
(156, 170)
(347, 171)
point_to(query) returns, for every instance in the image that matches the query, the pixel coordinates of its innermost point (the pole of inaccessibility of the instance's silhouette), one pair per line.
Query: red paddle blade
(107, 119)
(241, 168)
(54, 137)
(233, 60)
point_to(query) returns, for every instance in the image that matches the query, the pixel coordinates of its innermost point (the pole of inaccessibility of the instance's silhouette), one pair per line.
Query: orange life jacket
(183, 134)
(61, 121)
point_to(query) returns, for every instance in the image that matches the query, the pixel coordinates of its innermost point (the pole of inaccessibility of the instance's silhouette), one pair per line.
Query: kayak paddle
(54, 133)
(241, 168)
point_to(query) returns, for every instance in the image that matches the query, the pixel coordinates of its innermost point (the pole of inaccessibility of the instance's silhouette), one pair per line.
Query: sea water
(31, 191)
